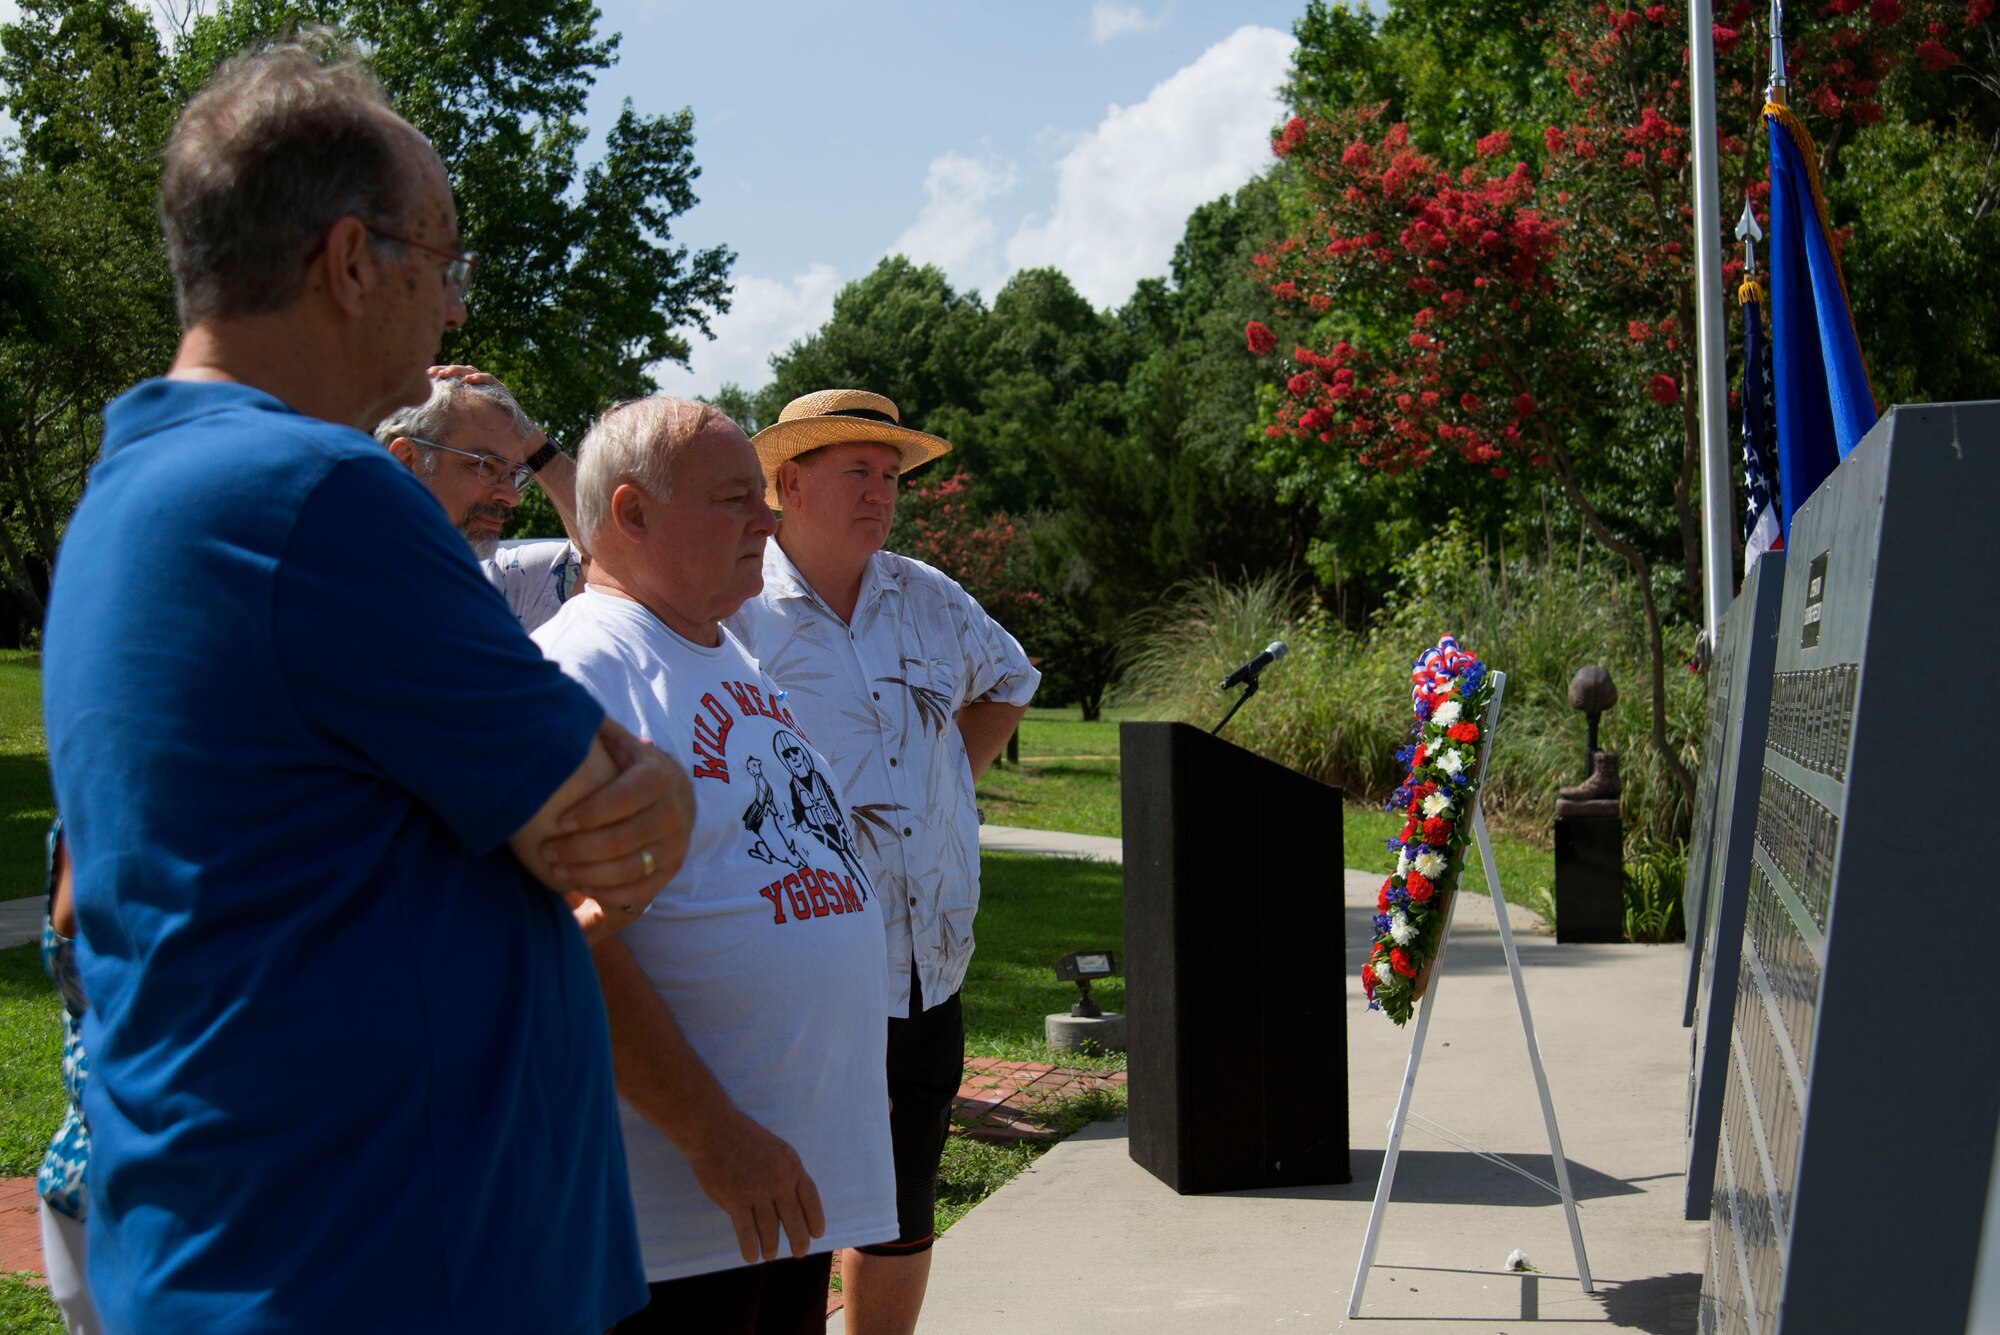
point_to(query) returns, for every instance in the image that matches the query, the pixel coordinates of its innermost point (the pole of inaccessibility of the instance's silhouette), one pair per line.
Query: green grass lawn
(26, 1309)
(31, 1096)
(1032, 911)
(26, 805)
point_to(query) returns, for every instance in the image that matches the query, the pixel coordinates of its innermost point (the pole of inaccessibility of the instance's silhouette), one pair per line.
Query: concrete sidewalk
(1087, 1240)
(1010, 839)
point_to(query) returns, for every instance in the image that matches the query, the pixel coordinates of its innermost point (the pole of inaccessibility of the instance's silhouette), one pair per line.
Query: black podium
(1235, 966)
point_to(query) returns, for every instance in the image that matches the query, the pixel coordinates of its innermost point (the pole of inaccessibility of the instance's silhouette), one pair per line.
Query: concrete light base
(1095, 1035)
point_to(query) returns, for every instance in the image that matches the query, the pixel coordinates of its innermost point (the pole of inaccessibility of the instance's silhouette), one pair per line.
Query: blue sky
(983, 138)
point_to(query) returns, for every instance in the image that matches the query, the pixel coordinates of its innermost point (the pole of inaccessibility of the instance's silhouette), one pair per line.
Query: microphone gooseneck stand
(1249, 689)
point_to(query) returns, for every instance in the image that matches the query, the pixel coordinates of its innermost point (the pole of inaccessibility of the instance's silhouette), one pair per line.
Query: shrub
(1338, 707)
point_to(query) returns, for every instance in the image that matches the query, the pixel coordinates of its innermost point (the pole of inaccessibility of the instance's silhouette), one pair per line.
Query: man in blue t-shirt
(349, 1062)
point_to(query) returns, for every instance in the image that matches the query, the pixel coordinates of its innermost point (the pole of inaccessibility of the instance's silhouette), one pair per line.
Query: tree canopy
(581, 286)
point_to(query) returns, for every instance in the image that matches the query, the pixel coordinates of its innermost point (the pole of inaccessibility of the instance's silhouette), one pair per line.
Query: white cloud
(1124, 192)
(955, 229)
(765, 316)
(1109, 19)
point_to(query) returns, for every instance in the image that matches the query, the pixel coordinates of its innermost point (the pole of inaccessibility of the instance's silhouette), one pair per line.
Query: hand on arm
(986, 725)
(558, 475)
(756, 1178)
(616, 830)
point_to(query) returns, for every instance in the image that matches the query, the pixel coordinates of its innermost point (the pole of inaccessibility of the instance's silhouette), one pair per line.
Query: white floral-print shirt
(879, 699)
(536, 577)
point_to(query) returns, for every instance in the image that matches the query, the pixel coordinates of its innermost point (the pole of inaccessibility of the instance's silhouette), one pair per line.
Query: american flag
(1761, 530)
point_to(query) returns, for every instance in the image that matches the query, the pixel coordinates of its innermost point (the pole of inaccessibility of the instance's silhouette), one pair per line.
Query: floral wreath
(1449, 695)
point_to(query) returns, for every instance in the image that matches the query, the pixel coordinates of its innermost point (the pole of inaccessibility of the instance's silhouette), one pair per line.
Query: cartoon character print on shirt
(764, 819)
(815, 810)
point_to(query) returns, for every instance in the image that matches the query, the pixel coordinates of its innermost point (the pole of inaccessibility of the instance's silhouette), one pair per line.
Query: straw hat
(835, 417)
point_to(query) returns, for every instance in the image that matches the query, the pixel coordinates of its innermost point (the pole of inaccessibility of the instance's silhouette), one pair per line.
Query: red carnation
(1662, 389)
(1418, 886)
(1463, 732)
(1437, 832)
(1400, 962)
(1422, 751)
(1382, 900)
(1260, 339)
(1409, 830)
(1368, 979)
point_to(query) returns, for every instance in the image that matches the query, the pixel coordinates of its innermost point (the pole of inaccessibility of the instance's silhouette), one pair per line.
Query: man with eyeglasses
(472, 445)
(349, 1061)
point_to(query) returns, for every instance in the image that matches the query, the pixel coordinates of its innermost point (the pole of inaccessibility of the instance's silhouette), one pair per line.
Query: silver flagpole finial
(1750, 234)
(1776, 92)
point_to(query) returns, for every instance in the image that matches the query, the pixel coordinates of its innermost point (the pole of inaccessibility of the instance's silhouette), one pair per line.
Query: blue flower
(1405, 754)
(1374, 1005)
(1423, 709)
(1459, 778)
(1393, 845)
(1381, 923)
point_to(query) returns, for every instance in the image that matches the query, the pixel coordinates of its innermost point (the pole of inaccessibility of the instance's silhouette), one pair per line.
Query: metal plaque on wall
(1741, 681)
(1861, 1098)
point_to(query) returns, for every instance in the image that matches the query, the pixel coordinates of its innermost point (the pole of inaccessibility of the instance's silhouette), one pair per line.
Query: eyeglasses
(457, 271)
(491, 469)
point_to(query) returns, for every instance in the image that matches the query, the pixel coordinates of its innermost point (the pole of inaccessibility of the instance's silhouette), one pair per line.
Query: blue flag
(1820, 387)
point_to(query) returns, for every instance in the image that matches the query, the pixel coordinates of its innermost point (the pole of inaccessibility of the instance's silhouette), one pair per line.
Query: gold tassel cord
(1750, 293)
(1781, 115)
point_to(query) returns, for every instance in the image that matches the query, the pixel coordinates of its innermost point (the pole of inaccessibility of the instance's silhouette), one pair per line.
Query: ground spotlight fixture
(1080, 967)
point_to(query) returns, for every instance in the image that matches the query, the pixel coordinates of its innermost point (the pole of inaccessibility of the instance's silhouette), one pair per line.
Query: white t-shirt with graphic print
(767, 945)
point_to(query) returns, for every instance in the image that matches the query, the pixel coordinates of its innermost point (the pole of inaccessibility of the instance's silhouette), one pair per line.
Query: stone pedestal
(1590, 877)
(1096, 1035)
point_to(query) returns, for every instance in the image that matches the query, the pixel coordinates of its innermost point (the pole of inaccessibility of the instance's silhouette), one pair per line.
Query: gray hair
(285, 140)
(636, 441)
(432, 419)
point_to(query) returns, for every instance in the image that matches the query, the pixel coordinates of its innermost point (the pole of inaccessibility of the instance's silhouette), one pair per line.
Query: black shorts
(782, 1297)
(926, 1067)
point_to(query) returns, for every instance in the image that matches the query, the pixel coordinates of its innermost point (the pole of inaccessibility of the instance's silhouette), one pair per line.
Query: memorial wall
(1861, 1094)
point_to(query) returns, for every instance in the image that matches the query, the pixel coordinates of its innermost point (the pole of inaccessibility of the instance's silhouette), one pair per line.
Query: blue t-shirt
(349, 1061)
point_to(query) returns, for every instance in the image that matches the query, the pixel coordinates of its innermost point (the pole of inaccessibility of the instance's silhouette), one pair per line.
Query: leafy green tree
(582, 287)
(902, 331)
(86, 305)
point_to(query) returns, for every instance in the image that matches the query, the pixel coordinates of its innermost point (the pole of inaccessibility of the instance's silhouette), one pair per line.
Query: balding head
(281, 143)
(637, 441)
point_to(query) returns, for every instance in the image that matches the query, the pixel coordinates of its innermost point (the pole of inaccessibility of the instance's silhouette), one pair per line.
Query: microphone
(1273, 651)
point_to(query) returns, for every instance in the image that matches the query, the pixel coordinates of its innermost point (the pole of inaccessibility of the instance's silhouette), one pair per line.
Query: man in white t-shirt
(472, 445)
(745, 1004)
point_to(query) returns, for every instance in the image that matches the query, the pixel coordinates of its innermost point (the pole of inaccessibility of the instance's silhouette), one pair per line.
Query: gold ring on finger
(645, 862)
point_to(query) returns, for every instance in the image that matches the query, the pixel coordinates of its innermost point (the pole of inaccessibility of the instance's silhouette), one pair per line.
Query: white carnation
(1436, 804)
(1430, 864)
(1451, 762)
(1446, 714)
(1402, 862)
(1401, 930)
(1385, 973)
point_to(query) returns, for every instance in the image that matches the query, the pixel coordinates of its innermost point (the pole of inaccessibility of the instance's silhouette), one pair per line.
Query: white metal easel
(1561, 1185)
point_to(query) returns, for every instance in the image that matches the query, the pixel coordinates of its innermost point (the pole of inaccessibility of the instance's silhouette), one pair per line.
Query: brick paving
(999, 1101)
(20, 1227)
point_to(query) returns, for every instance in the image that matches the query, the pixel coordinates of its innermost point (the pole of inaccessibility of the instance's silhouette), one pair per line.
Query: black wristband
(540, 458)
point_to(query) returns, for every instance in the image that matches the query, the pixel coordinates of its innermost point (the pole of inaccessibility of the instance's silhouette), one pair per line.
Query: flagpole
(1718, 574)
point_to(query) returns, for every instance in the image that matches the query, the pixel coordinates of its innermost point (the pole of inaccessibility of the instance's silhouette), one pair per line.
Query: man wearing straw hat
(909, 689)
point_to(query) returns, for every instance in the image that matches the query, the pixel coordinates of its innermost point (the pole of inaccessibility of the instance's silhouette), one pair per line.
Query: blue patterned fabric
(60, 1180)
